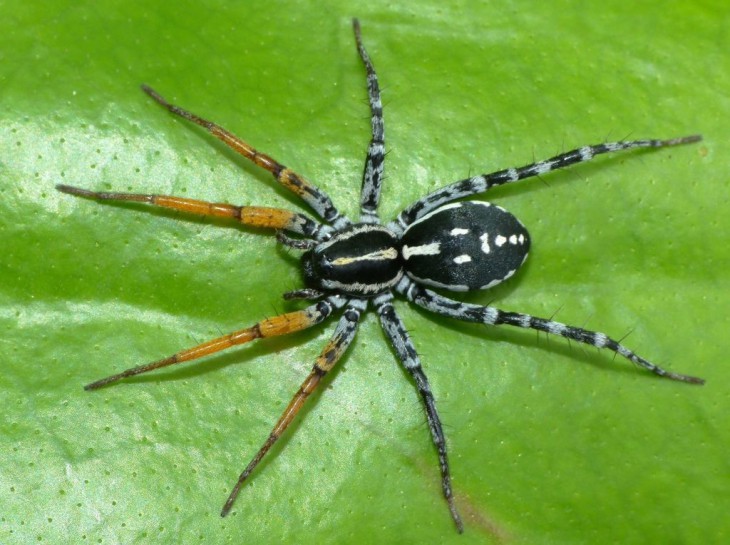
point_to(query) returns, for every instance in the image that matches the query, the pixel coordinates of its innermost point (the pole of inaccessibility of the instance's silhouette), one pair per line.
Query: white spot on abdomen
(434, 248)
(500, 240)
(485, 243)
(464, 258)
(456, 231)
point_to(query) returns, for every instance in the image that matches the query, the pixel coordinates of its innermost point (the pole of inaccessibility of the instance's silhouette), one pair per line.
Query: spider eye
(325, 266)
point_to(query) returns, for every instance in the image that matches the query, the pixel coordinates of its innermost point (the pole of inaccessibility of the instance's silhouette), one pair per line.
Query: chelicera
(439, 242)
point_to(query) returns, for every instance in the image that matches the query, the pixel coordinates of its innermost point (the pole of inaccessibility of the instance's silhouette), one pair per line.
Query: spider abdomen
(362, 260)
(464, 246)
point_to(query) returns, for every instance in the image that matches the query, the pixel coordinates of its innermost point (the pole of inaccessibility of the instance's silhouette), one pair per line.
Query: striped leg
(396, 331)
(312, 195)
(255, 216)
(373, 173)
(479, 184)
(270, 327)
(492, 316)
(341, 339)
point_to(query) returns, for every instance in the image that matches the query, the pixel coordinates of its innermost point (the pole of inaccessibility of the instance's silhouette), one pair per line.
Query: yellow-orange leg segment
(270, 327)
(341, 339)
(255, 216)
(308, 192)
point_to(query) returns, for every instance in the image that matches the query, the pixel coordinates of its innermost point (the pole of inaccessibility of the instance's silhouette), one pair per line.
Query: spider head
(361, 260)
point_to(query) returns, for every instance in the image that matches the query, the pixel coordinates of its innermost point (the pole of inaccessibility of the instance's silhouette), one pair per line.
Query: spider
(440, 241)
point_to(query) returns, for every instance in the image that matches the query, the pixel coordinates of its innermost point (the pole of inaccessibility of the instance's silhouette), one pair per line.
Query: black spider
(437, 241)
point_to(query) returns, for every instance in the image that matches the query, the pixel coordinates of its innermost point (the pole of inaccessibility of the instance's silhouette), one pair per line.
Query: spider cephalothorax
(437, 241)
(361, 260)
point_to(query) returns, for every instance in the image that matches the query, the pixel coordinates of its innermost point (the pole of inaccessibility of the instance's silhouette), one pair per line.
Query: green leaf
(549, 442)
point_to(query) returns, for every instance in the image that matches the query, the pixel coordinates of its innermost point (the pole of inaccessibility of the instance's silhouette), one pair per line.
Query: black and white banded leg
(488, 315)
(406, 352)
(372, 177)
(483, 182)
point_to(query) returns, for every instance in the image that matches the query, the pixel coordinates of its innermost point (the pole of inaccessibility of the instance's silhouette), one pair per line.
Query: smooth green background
(550, 442)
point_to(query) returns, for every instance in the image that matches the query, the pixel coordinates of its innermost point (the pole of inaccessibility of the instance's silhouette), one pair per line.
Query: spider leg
(295, 243)
(304, 293)
(341, 339)
(399, 338)
(255, 216)
(372, 177)
(480, 184)
(312, 195)
(493, 316)
(270, 327)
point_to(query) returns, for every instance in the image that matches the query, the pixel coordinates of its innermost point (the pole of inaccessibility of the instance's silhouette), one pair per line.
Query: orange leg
(311, 194)
(270, 327)
(256, 216)
(343, 336)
